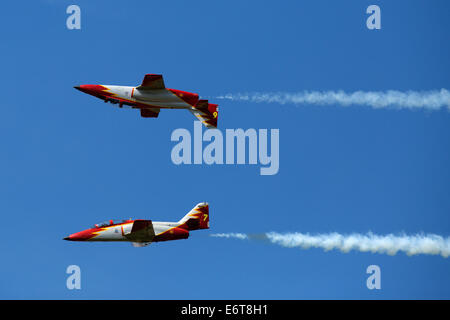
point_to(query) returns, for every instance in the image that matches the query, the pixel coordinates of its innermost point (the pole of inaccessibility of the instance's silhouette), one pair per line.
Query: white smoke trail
(431, 100)
(241, 236)
(390, 244)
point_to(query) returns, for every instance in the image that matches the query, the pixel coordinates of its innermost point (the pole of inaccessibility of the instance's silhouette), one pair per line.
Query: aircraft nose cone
(92, 89)
(84, 235)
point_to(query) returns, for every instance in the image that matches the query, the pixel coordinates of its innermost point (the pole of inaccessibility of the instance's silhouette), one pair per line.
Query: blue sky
(69, 160)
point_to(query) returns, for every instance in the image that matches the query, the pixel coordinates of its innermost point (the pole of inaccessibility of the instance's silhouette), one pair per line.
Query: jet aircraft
(152, 96)
(143, 232)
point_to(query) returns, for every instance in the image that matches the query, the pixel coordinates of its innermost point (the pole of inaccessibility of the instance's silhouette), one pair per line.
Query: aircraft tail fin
(197, 218)
(206, 112)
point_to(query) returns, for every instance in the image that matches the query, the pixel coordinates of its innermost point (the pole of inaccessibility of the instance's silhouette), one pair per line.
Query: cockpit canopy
(110, 223)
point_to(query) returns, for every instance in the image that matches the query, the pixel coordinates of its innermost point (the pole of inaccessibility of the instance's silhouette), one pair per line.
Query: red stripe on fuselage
(172, 234)
(188, 97)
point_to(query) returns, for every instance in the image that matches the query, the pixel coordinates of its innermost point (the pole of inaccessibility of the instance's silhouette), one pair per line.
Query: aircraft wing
(141, 232)
(206, 112)
(152, 82)
(149, 112)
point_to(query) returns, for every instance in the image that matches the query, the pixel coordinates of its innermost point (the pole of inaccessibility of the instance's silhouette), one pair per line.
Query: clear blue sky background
(69, 160)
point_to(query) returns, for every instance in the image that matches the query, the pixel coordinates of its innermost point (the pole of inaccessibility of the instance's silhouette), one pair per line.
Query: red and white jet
(152, 96)
(143, 232)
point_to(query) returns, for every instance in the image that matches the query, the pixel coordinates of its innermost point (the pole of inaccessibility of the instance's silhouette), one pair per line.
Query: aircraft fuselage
(152, 96)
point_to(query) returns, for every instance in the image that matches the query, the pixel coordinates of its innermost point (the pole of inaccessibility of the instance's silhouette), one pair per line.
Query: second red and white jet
(152, 96)
(143, 232)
